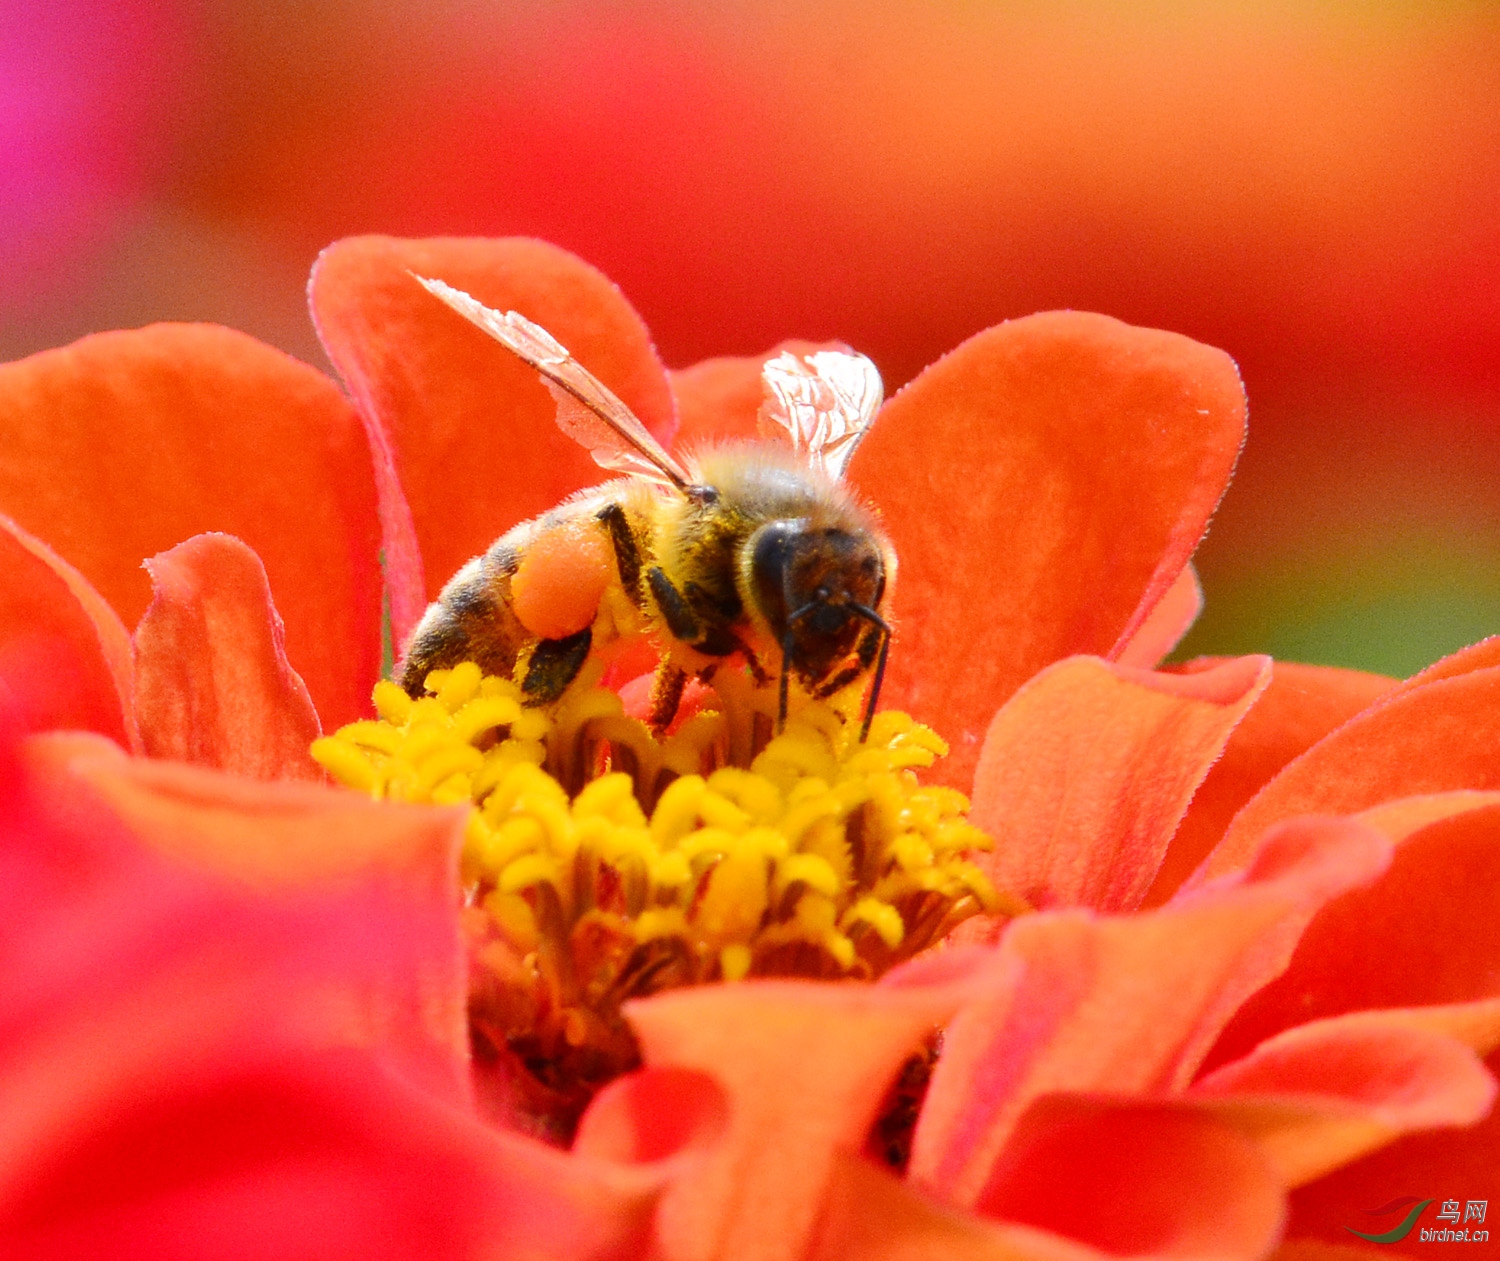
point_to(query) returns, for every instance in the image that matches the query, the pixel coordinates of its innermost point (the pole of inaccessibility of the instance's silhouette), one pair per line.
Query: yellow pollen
(601, 863)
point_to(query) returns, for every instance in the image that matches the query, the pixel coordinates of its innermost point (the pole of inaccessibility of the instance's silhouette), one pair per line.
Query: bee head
(816, 586)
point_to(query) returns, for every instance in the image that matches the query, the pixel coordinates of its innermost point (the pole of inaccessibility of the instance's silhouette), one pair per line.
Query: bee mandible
(757, 549)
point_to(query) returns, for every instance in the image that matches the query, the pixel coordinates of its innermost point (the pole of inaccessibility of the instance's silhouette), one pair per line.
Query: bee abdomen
(525, 609)
(471, 620)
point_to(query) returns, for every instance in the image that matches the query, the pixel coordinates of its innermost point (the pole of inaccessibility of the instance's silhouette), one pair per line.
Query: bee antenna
(884, 628)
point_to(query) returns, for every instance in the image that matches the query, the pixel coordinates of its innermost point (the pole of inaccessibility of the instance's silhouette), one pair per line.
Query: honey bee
(756, 549)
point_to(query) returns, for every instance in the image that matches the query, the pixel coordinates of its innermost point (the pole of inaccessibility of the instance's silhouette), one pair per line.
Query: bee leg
(554, 664)
(627, 550)
(680, 619)
(666, 695)
(758, 672)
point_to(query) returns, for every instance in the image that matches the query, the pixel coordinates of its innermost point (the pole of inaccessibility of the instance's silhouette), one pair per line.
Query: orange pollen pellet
(561, 579)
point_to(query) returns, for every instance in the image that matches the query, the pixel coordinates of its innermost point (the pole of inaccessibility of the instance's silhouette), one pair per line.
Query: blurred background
(1313, 186)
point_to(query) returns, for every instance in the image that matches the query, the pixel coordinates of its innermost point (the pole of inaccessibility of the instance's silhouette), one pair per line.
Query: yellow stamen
(603, 864)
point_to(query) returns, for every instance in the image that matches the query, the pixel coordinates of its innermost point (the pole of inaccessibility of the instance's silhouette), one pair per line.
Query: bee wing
(588, 411)
(824, 401)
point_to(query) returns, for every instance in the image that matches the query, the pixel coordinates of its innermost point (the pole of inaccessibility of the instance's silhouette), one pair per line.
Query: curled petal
(1436, 737)
(212, 683)
(464, 432)
(1044, 485)
(1122, 1004)
(64, 648)
(1426, 933)
(1325, 1093)
(1166, 624)
(804, 1068)
(1087, 770)
(165, 432)
(1301, 705)
(653, 1114)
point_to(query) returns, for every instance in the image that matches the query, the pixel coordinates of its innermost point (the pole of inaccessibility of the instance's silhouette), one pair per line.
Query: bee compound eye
(773, 548)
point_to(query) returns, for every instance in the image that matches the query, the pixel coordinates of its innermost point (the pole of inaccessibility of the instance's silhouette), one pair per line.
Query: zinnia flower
(235, 1005)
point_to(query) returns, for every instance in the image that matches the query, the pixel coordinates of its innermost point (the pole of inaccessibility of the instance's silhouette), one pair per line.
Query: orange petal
(212, 684)
(124, 444)
(1438, 737)
(1301, 705)
(63, 646)
(805, 1068)
(294, 839)
(469, 426)
(1443, 1165)
(1166, 624)
(1087, 770)
(1044, 485)
(1122, 1004)
(1426, 933)
(1327, 1092)
(718, 400)
(1136, 1179)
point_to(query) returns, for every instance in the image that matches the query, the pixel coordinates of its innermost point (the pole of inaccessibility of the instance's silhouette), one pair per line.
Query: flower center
(602, 863)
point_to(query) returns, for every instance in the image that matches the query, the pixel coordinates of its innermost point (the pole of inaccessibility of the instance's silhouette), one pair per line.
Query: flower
(267, 1000)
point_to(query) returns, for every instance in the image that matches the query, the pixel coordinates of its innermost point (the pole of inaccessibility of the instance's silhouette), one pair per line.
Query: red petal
(1301, 706)
(64, 647)
(1087, 770)
(212, 683)
(1140, 1180)
(1444, 1165)
(1434, 738)
(804, 1068)
(469, 426)
(265, 1157)
(1324, 1093)
(1166, 624)
(124, 444)
(1122, 1004)
(1427, 932)
(1044, 484)
(1136, 1179)
(300, 839)
(170, 1087)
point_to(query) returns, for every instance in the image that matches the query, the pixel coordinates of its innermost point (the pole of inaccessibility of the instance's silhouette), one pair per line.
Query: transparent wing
(824, 402)
(588, 411)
